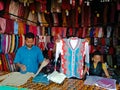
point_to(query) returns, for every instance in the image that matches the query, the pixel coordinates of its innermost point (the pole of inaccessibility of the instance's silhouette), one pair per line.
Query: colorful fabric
(72, 59)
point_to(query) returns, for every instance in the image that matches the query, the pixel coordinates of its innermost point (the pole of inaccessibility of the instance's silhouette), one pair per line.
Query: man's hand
(43, 64)
(22, 67)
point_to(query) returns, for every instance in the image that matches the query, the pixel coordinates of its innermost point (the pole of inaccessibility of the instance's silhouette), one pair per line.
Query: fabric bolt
(5, 66)
(56, 77)
(16, 79)
(33, 29)
(8, 62)
(9, 26)
(12, 43)
(38, 31)
(9, 42)
(16, 43)
(92, 32)
(6, 46)
(2, 25)
(30, 58)
(11, 88)
(21, 28)
(72, 51)
(41, 78)
(15, 27)
(3, 39)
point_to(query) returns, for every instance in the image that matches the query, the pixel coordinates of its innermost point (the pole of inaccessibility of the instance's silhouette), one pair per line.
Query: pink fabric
(2, 25)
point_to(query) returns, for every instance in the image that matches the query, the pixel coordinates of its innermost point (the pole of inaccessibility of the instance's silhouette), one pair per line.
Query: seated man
(29, 56)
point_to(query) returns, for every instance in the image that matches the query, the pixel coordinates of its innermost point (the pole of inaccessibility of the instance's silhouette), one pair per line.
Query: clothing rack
(38, 23)
(20, 17)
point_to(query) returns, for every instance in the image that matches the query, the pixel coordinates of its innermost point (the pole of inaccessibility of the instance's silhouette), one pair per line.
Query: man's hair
(29, 35)
(97, 53)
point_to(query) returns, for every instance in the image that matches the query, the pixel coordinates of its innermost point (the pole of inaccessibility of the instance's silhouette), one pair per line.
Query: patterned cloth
(73, 51)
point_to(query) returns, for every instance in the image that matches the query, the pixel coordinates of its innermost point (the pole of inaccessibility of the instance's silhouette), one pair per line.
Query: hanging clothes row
(62, 13)
(6, 62)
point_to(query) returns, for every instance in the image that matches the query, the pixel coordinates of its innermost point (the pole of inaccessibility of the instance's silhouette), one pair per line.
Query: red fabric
(66, 5)
(1, 5)
(6, 15)
(5, 68)
(9, 26)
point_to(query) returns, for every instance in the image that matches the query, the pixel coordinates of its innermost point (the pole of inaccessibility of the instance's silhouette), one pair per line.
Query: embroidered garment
(73, 52)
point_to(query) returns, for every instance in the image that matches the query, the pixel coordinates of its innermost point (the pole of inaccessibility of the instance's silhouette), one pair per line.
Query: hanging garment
(26, 2)
(2, 25)
(73, 52)
(55, 6)
(6, 15)
(42, 20)
(42, 5)
(1, 5)
(13, 9)
(55, 19)
(33, 18)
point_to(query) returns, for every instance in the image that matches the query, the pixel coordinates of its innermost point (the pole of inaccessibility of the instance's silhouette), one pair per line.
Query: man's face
(29, 42)
(97, 58)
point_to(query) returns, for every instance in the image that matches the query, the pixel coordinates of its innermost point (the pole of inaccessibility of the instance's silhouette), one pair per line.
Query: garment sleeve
(40, 56)
(17, 58)
(58, 49)
(87, 56)
(104, 66)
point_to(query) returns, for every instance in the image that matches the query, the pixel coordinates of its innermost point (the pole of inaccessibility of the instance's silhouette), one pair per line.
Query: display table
(68, 84)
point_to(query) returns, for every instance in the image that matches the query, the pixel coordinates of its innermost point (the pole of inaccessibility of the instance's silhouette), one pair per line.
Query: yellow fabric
(104, 66)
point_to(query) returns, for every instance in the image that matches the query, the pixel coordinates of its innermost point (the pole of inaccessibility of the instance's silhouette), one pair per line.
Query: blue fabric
(41, 78)
(15, 27)
(29, 57)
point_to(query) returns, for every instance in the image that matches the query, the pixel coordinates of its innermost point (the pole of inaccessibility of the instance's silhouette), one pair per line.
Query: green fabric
(11, 88)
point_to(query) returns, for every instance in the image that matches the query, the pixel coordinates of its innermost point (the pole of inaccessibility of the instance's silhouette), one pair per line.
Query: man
(29, 56)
